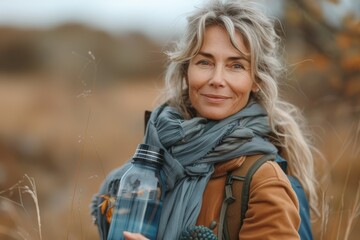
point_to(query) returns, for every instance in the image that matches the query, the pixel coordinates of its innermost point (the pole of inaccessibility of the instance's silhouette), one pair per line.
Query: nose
(217, 79)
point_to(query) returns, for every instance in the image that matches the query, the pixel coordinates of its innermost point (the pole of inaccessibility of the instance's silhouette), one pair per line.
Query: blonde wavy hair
(259, 35)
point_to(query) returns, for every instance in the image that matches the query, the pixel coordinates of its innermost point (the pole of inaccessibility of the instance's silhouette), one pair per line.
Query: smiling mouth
(214, 98)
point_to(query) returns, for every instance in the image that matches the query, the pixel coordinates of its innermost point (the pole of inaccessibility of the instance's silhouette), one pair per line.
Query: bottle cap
(149, 153)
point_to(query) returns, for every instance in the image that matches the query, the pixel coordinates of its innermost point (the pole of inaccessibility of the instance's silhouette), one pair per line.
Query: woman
(221, 108)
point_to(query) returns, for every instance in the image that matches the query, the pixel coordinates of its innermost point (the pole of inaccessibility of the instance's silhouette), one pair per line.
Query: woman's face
(218, 76)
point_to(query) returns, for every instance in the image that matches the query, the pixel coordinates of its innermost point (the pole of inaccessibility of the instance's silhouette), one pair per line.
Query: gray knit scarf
(192, 147)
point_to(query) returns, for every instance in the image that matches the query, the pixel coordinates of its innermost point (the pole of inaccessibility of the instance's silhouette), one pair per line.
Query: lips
(215, 98)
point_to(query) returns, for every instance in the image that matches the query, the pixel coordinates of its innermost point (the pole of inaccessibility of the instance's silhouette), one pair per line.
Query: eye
(203, 62)
(237, 66)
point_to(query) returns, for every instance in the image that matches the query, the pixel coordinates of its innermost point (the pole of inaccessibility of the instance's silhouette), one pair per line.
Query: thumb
(133, 236)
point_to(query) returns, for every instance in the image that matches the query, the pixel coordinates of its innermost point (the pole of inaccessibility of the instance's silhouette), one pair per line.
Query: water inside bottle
(136, 215)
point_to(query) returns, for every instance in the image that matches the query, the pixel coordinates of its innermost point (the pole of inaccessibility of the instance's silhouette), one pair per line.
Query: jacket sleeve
(273, 207)
(109, 187)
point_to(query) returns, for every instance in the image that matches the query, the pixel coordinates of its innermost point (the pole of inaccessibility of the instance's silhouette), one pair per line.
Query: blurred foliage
(326, 58)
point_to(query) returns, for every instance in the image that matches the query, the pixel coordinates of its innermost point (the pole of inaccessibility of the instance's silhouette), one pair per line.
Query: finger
(134, 236)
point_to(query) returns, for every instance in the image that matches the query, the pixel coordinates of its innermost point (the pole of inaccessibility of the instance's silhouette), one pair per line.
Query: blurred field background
(72, 99)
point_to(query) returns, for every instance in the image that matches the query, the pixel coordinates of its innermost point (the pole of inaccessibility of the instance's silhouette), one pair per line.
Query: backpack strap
(237, 196)
(246, 186)
(147, 115)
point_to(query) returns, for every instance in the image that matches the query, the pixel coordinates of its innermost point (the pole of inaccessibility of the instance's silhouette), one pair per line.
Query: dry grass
(111, 126)
(354, 214)
(340, 203)
(25, 186)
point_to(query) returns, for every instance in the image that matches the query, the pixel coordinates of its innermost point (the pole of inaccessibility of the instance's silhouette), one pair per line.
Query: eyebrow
(232, 58)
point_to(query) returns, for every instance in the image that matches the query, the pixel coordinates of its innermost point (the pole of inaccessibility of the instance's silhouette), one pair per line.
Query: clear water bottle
(139, 198)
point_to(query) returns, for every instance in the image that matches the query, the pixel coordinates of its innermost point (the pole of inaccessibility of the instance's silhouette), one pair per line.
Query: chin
(212, 116)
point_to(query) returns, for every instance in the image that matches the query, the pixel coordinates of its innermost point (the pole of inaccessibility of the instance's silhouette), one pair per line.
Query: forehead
(218, 36)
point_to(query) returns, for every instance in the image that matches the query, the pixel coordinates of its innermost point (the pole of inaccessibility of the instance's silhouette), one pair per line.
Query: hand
(134, 236)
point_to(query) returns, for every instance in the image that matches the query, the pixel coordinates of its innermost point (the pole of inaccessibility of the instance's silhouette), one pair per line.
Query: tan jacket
(273, 206)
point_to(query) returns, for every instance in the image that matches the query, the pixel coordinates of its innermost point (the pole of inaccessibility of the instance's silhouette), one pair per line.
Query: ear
(255, 87)
(186, 80)
(185, 74)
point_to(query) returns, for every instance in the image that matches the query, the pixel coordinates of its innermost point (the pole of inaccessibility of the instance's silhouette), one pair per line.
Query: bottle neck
(146, 163)
(149, 153)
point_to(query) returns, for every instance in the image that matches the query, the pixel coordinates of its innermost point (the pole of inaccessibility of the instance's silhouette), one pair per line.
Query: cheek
(243, 83)
(241, 87)
(193, 90)
(194, 79)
